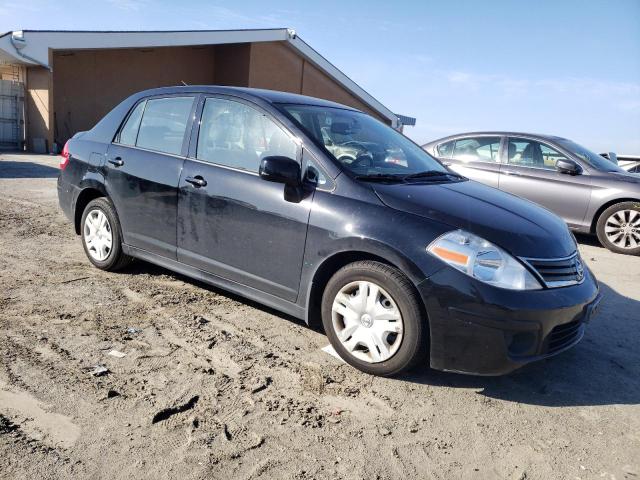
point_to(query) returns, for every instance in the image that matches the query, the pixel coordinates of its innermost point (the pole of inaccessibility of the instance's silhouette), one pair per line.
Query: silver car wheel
(367, 321)
(97, 235)
(623, 229)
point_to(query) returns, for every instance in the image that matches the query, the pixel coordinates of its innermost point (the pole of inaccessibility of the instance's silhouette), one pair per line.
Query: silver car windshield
(362, 144)
(593, 159)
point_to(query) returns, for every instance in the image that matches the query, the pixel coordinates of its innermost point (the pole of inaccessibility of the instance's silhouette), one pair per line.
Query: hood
(521, 227)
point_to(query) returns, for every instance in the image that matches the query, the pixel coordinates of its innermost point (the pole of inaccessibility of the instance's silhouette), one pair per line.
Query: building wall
(232, 64)
(276, 66)
(89, 83)
(39, 107)
(16, 73)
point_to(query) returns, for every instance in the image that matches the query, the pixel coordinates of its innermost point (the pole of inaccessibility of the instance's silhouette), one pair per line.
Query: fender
(347, 250)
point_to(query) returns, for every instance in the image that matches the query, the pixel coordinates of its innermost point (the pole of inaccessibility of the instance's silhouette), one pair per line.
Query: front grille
(559, 272)
(564, 335)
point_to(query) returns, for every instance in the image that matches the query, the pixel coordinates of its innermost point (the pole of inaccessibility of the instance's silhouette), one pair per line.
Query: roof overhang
(31, 47)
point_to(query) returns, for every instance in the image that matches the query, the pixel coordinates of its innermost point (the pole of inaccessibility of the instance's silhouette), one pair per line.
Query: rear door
(143, 168)
(231, 223)
(477, 157)
(530, 172)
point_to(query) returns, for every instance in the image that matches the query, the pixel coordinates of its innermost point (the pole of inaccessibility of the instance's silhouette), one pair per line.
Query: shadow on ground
(11, 169)
(591, 240)
(603, 369)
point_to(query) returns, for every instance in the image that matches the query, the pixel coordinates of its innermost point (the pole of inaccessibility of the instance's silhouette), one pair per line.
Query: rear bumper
(67, 195)
(483, 330)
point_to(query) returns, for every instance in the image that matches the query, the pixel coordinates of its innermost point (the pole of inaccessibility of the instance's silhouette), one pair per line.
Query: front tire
(102, 237)
(618, 228)
(371, 314)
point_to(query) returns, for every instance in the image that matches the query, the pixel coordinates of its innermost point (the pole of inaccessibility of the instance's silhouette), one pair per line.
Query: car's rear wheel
(372, 316)
(618, 228)
(102, 237)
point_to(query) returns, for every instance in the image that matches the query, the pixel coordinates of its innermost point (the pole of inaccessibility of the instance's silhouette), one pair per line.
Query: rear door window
(164, 123)
(477, 149)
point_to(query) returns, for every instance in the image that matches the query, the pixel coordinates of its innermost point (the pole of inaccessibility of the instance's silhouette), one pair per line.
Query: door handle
(196, 181)
(118, 162)
(511, 172)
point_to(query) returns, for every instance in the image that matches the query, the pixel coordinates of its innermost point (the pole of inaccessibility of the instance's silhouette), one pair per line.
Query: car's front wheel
(102, 237)
(372, 316)
(618, 228)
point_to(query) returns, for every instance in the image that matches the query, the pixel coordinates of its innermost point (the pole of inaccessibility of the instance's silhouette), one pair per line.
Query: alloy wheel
(367, 321)
(622, 229)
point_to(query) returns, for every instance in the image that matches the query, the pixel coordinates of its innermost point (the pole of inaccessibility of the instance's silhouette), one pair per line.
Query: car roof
(499, 133)
(271, 96)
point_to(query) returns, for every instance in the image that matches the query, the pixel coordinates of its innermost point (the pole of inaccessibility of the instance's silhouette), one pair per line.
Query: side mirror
(613, 157)
(568, 167)
(281, 170)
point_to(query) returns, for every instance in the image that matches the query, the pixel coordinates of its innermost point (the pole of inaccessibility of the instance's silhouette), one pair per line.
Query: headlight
(482, 260)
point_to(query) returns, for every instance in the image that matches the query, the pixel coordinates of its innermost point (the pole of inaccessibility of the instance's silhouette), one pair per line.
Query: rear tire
(101, 235)
(384, 334)
(618, 228)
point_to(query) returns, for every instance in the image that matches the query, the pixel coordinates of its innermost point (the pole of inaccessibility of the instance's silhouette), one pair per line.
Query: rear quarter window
(129, 131)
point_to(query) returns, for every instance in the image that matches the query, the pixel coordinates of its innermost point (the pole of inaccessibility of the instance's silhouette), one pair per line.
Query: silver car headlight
(482, 260)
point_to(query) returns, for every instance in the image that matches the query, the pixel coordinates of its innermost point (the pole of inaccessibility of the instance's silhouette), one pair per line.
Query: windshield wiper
(431, 173)
(381, 177)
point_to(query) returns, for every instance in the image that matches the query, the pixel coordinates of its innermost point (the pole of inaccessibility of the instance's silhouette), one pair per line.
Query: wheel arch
(88, 193)
(336, 261)
(604, 206)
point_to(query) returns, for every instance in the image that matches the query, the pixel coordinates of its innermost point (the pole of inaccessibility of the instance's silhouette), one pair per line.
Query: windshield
(364, 146)
(593, 159)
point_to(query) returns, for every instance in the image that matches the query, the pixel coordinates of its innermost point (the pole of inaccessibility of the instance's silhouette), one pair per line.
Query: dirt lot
(214, 386)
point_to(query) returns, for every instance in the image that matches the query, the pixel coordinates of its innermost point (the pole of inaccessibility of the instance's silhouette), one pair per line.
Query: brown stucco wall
(88, 84)
(39, 105)
(232, 64)
(276, 66)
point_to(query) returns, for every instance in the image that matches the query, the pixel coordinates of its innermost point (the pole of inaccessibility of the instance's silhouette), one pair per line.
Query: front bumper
(479, 329)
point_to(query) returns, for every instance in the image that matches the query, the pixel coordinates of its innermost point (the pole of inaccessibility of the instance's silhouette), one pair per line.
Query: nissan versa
(400, 258)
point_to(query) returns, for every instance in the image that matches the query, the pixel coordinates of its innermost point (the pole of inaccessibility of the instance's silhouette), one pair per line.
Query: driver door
(531, 173)
(231, 222)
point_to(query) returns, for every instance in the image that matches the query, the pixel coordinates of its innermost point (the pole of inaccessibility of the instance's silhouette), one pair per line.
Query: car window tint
(477, 149)
(129, 131)
(239, 136)
(444, 149)
(529, 153)
(163, 124)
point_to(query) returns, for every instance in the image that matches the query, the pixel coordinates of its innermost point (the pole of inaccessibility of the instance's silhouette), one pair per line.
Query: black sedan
(400, 260)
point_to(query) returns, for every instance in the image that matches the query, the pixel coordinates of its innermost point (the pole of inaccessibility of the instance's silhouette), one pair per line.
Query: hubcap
(623, 229)
(367, 321)
(97, 235)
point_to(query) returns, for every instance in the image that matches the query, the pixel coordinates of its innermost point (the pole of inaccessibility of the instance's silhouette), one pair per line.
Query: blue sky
(564, 67)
